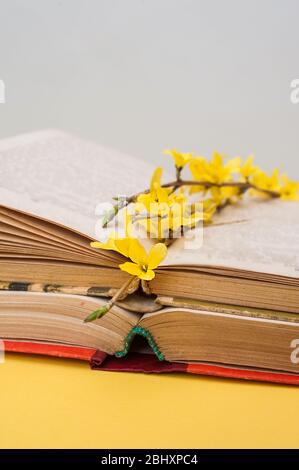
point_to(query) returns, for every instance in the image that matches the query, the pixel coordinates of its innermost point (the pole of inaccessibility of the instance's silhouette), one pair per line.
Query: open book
(232, 302)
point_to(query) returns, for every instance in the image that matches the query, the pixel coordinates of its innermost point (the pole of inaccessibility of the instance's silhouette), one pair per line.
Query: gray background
(143, 75)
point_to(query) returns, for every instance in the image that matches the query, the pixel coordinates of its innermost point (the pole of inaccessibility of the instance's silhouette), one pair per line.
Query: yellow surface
(58, 403)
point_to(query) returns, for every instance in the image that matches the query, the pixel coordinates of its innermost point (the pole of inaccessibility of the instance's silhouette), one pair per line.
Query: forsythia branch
(105, 308)
(164, 211)
(207, 185)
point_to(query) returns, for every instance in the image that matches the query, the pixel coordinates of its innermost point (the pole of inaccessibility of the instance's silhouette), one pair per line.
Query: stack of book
(228, 308)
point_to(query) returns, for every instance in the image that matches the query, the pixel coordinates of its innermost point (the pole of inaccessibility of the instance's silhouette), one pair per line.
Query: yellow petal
(174, 154)
(156, 179)
(131, 268)
(122, 245)
(162, 194)
(96, 244)
(187, 157)
(148, 275)
(249, 160)
(137, 252)
(198, 168)
(108, 245)
(181, 159)
(217, 159)
(156, 255)
(136, 270)
(234, 164)
(248, 169)
(143, 203)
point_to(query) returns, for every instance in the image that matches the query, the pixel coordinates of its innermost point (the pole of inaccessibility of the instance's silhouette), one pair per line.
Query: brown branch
(207, 185)
(231, 184)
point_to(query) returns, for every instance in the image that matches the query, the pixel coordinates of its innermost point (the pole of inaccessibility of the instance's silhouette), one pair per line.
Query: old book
(240, 288)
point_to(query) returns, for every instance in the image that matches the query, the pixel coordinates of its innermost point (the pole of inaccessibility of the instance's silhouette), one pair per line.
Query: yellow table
(47, 402)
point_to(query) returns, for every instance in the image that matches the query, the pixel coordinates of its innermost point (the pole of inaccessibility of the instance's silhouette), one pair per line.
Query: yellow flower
(290, 190)
(287, 190)
(247, 170)
(265, 182)
(215, 171)
(181, 159)
(197, 168)
(178, 218)
(158, 200)
(223, 172)
(156, 179)
(221, 196)
(164, 210)
(156, 194)
(143, 263)
(164, 227)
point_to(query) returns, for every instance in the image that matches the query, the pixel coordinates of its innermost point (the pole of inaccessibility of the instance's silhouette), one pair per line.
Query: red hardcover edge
(244, 374)
(146, 363)
(56, 350)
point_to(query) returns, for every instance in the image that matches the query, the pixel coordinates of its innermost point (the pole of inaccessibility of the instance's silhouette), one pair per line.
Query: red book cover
(146, 363)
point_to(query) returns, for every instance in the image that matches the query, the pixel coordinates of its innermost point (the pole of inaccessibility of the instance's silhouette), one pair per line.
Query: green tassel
(138, 330)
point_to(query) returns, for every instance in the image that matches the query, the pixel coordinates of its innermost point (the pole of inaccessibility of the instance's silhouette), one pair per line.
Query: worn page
(60, 177)
(260, 236)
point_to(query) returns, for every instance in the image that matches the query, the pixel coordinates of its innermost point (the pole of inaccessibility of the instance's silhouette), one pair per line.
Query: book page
(62, 178)
(260, 236)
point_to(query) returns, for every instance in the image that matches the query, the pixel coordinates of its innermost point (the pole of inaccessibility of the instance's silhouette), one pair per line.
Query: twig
(105, 308)
(207, 185)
